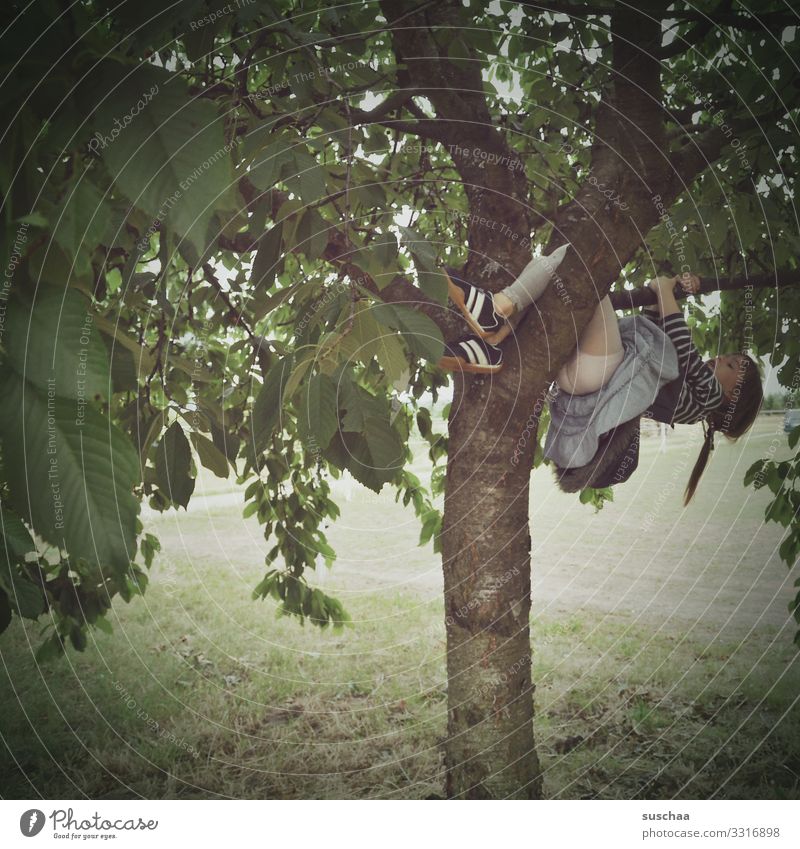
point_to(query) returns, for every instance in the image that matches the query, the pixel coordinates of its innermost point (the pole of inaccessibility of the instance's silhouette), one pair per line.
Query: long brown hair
(733, 418)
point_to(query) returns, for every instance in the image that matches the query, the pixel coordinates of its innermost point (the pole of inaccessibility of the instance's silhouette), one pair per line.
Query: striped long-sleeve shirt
(700, 391)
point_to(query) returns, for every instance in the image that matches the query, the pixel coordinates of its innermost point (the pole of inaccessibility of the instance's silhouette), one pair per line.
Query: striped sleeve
(651, 311)
(699, 378)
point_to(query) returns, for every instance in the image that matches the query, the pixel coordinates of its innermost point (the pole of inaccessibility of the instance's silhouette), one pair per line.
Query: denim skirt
(578, 421)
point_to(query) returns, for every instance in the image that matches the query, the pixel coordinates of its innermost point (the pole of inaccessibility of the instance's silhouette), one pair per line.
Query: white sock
(534, 278)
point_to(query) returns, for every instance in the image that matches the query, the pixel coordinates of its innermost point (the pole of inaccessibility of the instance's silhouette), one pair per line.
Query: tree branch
(464, 124)
(393, 101)
(685, 42)
(632, 298)
(236, 314)
(428, 128)
(399, 291)
(338, 253)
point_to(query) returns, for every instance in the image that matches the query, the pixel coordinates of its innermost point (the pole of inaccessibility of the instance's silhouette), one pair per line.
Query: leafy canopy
(210, 225)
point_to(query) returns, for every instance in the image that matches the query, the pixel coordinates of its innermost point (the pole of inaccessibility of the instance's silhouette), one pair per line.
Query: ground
(662, 652)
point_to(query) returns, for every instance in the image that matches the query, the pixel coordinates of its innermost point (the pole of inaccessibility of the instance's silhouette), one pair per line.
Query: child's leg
(597, 356)
(600, 336)
(530, 284)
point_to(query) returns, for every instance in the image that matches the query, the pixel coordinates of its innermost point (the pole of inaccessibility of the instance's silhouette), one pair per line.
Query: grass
(663, 659)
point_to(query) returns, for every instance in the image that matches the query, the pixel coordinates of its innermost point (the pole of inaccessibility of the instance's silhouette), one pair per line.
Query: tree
(202, 266)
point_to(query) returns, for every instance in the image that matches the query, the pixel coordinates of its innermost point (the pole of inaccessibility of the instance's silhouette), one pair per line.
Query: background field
(662, 645)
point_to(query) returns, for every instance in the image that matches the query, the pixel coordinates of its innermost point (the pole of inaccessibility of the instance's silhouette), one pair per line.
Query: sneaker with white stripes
(476, 304)
(473, 354)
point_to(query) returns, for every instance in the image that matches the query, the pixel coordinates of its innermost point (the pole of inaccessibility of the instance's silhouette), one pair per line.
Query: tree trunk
(487, 585)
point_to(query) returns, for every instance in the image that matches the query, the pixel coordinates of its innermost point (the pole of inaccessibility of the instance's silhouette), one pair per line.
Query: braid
(709, 429)
(732, 420)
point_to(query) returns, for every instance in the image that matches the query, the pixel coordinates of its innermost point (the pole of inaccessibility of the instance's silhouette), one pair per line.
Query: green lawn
(662, 643)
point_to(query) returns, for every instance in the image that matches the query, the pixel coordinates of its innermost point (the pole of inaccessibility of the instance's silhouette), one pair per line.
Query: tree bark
(490, 752)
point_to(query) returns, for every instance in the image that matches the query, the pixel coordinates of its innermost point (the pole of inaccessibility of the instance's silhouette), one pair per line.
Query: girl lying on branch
(622, 369)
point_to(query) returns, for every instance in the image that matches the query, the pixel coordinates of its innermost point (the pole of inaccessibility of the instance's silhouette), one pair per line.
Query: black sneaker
(473, 354)
(476, 304)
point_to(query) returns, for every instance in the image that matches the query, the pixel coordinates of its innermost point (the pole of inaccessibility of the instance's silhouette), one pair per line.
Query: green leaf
(794, 436)
(779, 510)
(56, 347)
(296, 377)
(337, 454)
(124, 372)
(35, 218)
(267, 159)
(173, 466)
(379, 259)
(102, 624)
(262, 303)
(391, 355)
(312, 234)
(431, 280)
(307, 178)
(210, 456)
(790, 548)
(199, 42)
(72, 482)
(79, 222)
(166, 151)
(376, 454)
(26, 597)
(150, 433)
(422, 250)
(422, 335)
(370, 197)
(318, 416)
(289, 215)
(17, 541)
(149, 545)
(77, 637)
(226, 442)
(431, 525)
(268, 405)
(359, 405)
(754, 470)
(268, 261)
(50, 649)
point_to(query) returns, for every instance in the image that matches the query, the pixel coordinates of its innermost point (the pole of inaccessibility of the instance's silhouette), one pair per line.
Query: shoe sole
(460, 364)
(456, 294)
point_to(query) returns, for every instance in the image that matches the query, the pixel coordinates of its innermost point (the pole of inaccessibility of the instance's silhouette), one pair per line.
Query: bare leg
(503, 305)
(502, 333)
(597, 355)
(601, 335)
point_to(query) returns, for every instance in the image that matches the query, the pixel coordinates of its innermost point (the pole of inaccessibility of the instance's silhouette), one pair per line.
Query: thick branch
(632, 298)
(628, 157)
(489, 169)
(392, 102)
(698, 154)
